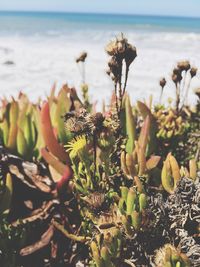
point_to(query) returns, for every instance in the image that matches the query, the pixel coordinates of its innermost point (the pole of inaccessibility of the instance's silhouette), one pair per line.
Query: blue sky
(158, 7)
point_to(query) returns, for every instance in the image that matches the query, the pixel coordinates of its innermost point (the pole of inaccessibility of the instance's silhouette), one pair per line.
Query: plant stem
(126, 79)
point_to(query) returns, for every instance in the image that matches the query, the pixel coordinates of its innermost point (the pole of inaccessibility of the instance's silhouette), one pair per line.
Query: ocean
(43, 48)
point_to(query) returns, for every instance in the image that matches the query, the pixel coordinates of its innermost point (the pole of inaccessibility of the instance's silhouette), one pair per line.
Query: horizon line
(100, 13)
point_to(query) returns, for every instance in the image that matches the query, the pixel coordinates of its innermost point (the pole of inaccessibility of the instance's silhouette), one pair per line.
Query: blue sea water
(43, 47)
(42, 22)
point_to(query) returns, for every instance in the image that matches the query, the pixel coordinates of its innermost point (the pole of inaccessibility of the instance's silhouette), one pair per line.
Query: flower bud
(163, 82)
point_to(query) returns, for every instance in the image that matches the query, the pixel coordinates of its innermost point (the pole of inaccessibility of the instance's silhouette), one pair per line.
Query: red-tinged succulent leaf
(52, 94)
(12, 138)
(54, 174)
(43, 242)
(62, 107)
(22, 147)
(62, 184)
(47, 130)
(141, 161)
(13, 112)
(174, 168)
(38, 125)
(152, 162)
(144, 134)
(130, 126)
(54, 162)
(5, 131)
(145, 111)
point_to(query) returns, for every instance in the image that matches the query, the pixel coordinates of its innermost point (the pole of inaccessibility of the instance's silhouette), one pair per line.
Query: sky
(152, 7)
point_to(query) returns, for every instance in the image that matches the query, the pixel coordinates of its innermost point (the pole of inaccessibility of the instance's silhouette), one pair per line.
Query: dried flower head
(130, 54)
(193, 71)
(176, 75)
(82, 57)
(184, 65)
(95, 200)
(163, 82)
(114, 67)
(121, 49)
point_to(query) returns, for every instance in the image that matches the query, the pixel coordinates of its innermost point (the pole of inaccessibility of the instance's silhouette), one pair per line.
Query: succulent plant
(112, 188)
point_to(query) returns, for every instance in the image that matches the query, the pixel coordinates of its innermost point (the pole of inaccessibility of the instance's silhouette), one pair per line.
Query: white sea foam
(41, 60)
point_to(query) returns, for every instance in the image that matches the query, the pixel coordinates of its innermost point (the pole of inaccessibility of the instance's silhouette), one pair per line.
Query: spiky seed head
(184, 65)
(130, 54)
(193, 71)
(82, 57)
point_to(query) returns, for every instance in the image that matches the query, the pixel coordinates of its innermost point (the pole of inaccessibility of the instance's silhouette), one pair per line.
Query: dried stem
(177, 96)
(161, 93)
(185, 99)
(126, 79)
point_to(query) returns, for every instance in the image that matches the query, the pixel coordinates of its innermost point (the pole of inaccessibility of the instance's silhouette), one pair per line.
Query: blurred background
(40, 40)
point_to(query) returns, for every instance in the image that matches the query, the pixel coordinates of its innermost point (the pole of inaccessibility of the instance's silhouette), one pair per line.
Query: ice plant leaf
(141, 161)
(130, 201)
(174, 168)
(123, 163)
(54, 162)
(152, 162)
(22, 147)
(166, 177)
(193, 169)
(145, 111)
(144, 134)
(130, 126)
(130, 165)
(5, 131)
(62, 107)
(50, 140)
(12, 137)
(13, 113)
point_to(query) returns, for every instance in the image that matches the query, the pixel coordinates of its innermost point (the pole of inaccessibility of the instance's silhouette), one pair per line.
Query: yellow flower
(76, 146)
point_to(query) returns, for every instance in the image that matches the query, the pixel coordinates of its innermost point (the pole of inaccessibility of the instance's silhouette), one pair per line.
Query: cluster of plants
(114, 188)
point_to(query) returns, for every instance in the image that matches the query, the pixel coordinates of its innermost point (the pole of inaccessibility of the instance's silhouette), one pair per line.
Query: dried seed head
(184, 65)
(117, 47)
(111, 48)
(108, 72)
(176, 75)
(163, 82)
(114, 67)
(130, 54)
(98, 119)
(82, 57)
(193, 71)
(95, 200)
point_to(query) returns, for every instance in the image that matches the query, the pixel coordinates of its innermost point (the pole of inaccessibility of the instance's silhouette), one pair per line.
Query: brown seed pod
(184, 65)
(193, 71)
(82, 57)
(163, 82)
